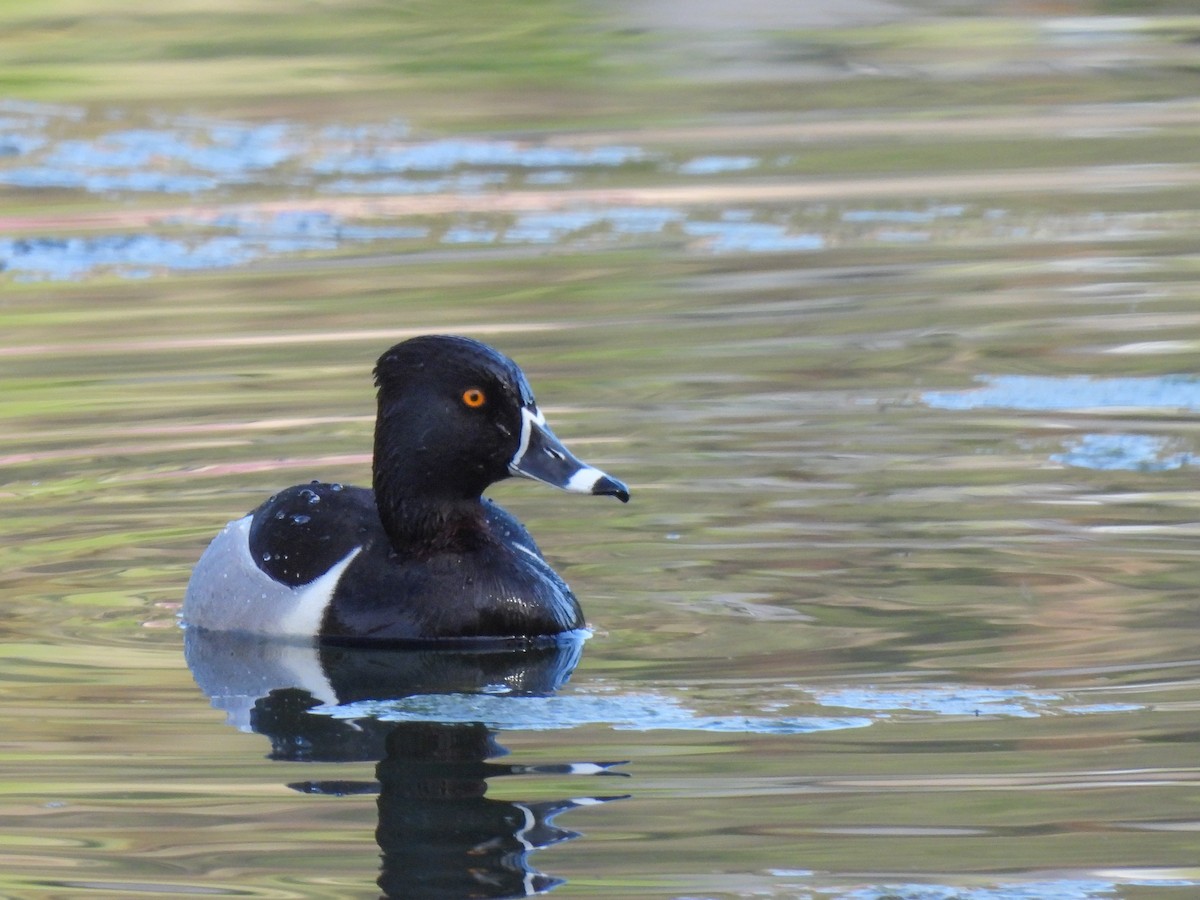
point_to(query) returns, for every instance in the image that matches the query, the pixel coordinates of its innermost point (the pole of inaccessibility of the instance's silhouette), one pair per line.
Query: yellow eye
(474, 398)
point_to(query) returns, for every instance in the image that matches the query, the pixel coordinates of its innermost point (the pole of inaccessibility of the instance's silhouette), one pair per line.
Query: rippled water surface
(890, 322)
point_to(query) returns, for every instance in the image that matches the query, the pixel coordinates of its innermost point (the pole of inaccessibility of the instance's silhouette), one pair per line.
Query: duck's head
(456, 416)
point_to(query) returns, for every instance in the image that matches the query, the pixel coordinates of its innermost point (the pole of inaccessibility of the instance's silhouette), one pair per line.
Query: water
(903, 384)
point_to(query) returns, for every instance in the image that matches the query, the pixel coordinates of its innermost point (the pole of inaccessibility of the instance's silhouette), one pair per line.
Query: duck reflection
(440, 835)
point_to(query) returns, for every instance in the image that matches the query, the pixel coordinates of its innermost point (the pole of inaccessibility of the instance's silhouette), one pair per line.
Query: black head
(449, 418)
(456, 416)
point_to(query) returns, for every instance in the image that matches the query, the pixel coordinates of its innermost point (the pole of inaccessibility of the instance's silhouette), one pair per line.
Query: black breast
(494, 590)
(495, 586)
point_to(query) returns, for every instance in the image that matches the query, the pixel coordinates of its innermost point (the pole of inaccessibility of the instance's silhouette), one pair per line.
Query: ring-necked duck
(422, 556)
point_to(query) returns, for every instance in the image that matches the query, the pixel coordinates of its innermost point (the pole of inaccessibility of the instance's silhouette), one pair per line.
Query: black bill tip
(607, 486)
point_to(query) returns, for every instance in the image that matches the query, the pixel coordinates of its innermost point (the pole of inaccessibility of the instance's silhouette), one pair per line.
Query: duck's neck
(427, 501)
(419, 523)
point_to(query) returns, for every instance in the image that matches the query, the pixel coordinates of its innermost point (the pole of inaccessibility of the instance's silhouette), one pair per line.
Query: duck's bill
(542, 457)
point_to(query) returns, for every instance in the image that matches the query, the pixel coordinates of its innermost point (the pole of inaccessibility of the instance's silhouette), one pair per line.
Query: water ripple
(626, 712)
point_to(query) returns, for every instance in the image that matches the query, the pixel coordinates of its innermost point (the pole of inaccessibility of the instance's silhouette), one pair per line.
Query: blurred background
(887, 312)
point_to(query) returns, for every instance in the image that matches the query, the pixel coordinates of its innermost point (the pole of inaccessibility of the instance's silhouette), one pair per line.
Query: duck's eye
(474, 397)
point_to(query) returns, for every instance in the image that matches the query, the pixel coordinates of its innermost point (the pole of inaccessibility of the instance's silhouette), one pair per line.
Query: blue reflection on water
(310, 228)
(447, 155)
(15, 143)
(557, 225)
(550, 227)
(1061, 889)
(1106, 452)
(641, 219)
(130, 255)
(893, 236)
(714, 165)
(1066, 889)
(751, 237)
(1130, 452)
(947, 701)
(52, 176)
(187, 155)
(1043, 392)
(653, 711)
(467, 235)
(138, 255)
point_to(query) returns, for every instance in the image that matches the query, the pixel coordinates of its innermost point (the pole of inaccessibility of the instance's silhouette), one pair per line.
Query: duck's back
(315, 560)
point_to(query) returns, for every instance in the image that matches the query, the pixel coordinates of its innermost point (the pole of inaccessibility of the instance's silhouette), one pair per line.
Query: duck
(421, 557)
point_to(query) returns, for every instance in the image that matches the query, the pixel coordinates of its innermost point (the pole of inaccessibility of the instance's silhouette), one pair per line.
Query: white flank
(229, 592)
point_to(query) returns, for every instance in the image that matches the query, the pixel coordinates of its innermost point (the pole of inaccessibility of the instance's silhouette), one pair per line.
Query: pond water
(904, 606)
